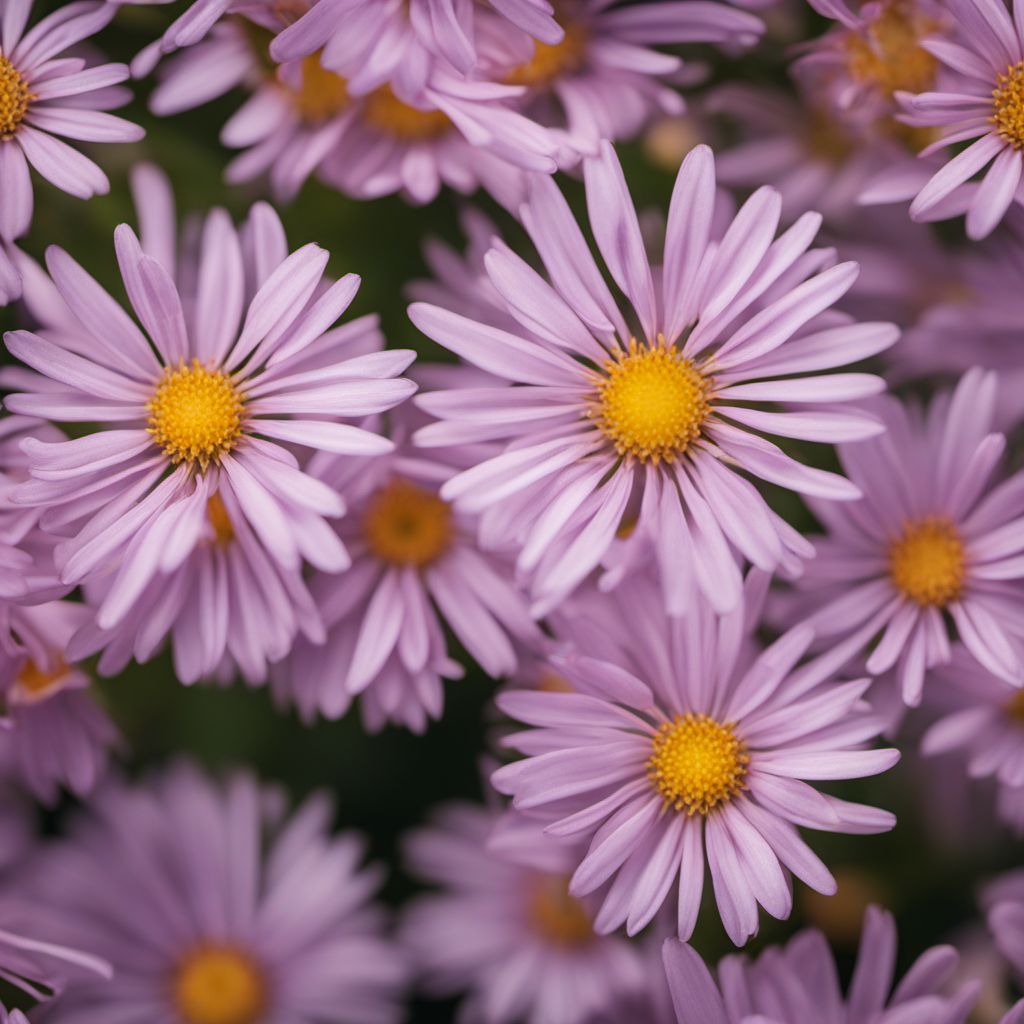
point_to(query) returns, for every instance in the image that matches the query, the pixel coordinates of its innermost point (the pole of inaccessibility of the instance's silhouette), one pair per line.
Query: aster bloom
(799, 982)
(606, 78)
(45, 94)
(982, 104)
(214, 905)
(54, 732)
(197, 423)
(641, 417)
(415, 566)
(1003, 902)
(685, 751)
(504, 928)
(400, 42)
(932, 544)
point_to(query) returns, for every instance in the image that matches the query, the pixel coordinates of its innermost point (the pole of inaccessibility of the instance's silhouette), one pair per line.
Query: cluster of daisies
(591, 500)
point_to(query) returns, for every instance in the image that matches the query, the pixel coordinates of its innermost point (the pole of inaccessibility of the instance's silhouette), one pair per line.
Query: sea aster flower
(983, 103)
(216, 906)
(931, 541)
(605, 78)
(42, 96)
(504, 928)
(681, 752)
(54, 732)
(227, 606)
(983, 722)
(799, 982)
(399, 42)
(637, 414)
(197, 423)
(416, 565)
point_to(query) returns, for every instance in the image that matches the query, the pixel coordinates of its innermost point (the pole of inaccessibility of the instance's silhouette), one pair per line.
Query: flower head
(679, 747)
(207, 515)
(643, 415)
(799, 982)
(504, 913)
(932, 544)
(45, 94)
(153, 876)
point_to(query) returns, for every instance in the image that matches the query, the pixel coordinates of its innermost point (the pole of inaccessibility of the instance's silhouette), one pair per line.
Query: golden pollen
(889, 55)
(14, 98)
(36, 681)
(551, 61)
(405, 524)
(697, 763)
(387, 113)
(219, 985)
(926, 562)
(322, 95)
(195, 414)
(652, 402)
(219, 520)
(1008, 105)
(555, 915)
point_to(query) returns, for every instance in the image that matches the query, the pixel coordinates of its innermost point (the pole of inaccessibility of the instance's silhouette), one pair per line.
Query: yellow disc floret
(14, 98)
(195, 414)
(651, 402)
(1008, 105)
(219, 520)
(697, 763)
(926, 562)
(551, 61)
(219, 985)
(36, 681)
(1015, 707)
(405, 524)
(322, 95)
(384, 111)
(556, 916)
(888, 53)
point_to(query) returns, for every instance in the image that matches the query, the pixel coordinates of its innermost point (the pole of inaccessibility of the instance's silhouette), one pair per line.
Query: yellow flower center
(390, 115)
(1008, 105)
(926, 562)
(36, 681)
(14, 98)
(551, 61)
(220, 521)
(557, 917)
(219, 985)
(652, 402)
(322, 95)
(195, 414)
(889, 55)
(405, 524)
(697, 763)
(827, 140)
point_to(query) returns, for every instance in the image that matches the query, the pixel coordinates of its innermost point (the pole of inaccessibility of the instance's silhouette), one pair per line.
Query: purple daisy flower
(505, 929)
(682, 752)
(642, 416)
(983, 722)
(215, 905)
(55, 733)
(415, 565)
(606, 78)
(197, 423)
(43, 96)
(931, 541)
(980, 103)
(400, 42)
(799, 982)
